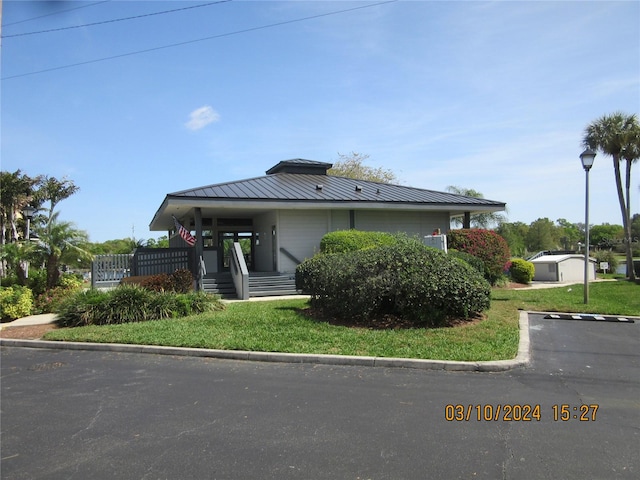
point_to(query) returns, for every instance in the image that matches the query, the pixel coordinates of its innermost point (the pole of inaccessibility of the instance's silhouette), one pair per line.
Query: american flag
(184, 233)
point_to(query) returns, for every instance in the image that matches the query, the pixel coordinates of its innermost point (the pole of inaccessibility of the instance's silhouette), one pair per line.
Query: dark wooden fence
(108, 270)
(152, 261)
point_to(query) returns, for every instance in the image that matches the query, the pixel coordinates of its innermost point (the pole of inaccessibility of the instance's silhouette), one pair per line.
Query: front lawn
(279, 326)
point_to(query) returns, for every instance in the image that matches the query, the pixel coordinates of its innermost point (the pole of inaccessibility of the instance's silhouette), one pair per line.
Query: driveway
(83, 414)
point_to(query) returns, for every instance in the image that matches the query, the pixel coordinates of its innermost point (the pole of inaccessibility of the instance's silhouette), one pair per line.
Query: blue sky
(492, 96)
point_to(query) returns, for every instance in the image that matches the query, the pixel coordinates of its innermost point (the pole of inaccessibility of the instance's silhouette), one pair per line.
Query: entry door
(225, 244)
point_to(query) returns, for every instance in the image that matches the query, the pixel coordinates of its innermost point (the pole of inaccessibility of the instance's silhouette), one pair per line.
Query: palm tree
(60, 244)
(618, 135)
(479, 220)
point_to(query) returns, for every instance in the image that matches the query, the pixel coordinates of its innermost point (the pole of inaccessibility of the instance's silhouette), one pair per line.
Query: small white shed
(562, 268)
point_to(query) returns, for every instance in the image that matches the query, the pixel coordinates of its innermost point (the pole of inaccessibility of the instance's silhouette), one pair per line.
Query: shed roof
(560, 258)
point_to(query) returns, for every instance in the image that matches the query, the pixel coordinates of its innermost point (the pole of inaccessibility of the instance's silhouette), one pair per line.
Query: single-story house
(279, 218)
(562, 268)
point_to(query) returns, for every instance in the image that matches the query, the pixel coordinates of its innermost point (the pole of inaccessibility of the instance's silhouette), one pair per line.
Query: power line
(212, 37)
(115, 20)
(56, 13)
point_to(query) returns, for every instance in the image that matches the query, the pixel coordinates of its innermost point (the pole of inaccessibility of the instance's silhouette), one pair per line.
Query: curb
(522, 358)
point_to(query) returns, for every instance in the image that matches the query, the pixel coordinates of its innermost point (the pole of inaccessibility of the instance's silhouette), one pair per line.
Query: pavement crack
(92, 422)
(504, 435)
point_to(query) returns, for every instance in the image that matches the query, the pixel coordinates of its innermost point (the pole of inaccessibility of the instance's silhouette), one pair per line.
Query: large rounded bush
(407, 279)
(521, 270)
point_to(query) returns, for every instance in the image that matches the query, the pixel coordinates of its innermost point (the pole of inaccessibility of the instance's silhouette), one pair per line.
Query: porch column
(199, 246)
(466, 221)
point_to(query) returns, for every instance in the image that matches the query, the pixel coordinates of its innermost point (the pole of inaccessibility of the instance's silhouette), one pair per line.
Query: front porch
(232, 280)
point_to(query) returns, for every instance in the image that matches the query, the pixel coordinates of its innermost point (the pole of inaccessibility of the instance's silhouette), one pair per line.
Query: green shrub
(15, 302)
(52, 299)
(37, 281)
(83, 308)
(182, 281)
(605, 256)
(343, 241)
(487, 245)
(409, 280)
(132, 303)
(475, 262)
(521, 270)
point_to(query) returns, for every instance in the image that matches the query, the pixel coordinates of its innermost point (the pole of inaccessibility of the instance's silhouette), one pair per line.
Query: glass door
(225, 244)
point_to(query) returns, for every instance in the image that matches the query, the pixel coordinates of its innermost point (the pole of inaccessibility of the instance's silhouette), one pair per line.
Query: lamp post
(587, 157)
(27, 212)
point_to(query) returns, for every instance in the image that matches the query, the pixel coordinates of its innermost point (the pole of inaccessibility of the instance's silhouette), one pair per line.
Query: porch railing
(239, 271)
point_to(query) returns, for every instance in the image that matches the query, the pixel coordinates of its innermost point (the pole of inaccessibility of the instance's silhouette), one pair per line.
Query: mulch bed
(28, 332)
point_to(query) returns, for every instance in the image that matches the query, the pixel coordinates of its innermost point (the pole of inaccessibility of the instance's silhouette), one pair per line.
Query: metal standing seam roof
(326, 188)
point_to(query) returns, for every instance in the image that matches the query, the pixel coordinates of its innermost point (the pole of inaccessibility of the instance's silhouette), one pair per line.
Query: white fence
(108, 270)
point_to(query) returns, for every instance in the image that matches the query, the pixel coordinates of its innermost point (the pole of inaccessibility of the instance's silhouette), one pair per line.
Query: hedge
(342, 241)
(407, 279)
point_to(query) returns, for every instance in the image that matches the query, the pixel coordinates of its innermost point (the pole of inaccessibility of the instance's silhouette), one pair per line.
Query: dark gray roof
(327, 188)
(300, 165)
(299, 183)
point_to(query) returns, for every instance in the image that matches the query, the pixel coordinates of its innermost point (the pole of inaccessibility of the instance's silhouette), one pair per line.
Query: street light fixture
(27, 212)
(587, 158)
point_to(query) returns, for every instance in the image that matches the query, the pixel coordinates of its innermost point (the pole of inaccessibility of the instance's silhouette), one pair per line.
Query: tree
(352, 166)
(16, 192)
(570, 234)
(59, 243)
(635, 228)
(542, 235)
(53, 191)
(479, 220)
(605, 235)
(618, 135)
(515, 234)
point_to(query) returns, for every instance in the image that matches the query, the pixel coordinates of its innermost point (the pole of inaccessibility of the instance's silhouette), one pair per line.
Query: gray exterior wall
(412, 223)
(300, 231)
(264, 251)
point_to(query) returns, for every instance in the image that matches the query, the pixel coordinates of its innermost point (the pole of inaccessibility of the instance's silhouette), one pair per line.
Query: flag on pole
(184, 233)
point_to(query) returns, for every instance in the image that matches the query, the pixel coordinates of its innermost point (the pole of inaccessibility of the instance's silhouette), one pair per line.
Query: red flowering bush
(486, 245)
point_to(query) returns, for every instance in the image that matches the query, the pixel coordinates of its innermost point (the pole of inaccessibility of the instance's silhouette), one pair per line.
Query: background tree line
(544, 234)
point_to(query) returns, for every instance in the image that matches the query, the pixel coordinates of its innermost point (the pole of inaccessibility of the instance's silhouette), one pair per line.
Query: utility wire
(188, 42)
(56, 13)
(115, 20)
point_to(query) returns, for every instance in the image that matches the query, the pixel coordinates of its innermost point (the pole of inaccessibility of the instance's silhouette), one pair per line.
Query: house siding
(412, 223)
(300, 232)
(264, 251)
(339, 220)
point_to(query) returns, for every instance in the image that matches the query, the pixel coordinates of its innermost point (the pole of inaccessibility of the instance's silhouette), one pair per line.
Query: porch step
(219, 284)
(266, 284)
(261, 284)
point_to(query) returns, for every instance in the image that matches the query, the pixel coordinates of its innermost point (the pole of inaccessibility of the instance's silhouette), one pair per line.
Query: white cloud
(201, 117)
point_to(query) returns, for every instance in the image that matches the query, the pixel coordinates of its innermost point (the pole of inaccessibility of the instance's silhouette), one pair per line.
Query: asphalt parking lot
(572, 413)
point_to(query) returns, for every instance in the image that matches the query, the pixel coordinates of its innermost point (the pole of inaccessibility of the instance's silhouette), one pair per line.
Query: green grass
(278, 326)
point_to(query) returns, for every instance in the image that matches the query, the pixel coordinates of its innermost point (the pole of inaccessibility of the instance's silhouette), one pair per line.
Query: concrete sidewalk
(30, 320)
